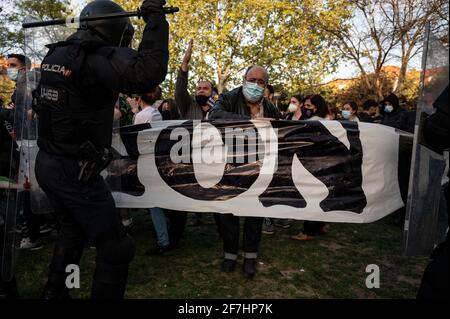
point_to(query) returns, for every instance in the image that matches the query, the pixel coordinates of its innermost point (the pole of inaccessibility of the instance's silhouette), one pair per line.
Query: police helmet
(117, 32)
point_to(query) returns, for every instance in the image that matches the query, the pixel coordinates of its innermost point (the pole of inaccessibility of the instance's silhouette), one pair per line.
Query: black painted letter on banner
(325, 157)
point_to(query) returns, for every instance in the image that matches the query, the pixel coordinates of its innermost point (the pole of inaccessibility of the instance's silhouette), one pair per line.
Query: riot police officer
(81, 79)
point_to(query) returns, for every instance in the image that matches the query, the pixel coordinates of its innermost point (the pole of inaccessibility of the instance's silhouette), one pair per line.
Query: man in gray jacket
(192, 108)
(243, 103)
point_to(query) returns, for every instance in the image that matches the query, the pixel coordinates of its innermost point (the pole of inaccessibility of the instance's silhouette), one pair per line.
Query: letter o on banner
(180, 175)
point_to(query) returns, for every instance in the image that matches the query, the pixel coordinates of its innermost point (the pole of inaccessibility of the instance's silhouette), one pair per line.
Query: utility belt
(91, 160)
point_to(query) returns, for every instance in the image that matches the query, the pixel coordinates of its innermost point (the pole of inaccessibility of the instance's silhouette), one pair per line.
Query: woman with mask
(294, 113)
(350, 111)
(295, 108)
(315, 108)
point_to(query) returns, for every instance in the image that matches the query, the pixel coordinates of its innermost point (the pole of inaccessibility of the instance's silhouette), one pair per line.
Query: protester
(195, 108)
(370, 112)
(269, 93)
(294, 113)
(149, 103)
(169, 110)
(315, 108)
(333, 114)
(295, 108)
(394, 115)
(243, 103)
(350, 111)
(19, 70)
(192, 108)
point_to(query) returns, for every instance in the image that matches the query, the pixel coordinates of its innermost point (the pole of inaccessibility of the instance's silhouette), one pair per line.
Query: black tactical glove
(150, 7)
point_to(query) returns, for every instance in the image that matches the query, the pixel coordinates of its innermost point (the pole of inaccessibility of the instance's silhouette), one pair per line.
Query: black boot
(110, 281)
(55, 288)
(249, 268)
(228, 265)
(55, 294)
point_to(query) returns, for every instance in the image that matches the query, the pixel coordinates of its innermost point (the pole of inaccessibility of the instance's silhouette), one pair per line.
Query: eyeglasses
(257, 81)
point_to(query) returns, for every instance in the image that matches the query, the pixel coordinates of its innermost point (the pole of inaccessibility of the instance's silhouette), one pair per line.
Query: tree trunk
(402, 76)
(221, 85)
(378, 87)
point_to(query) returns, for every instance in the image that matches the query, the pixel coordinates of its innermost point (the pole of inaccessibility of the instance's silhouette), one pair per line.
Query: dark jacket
(232, 106)
(85, 94)
(364, 117)
(436, 126)
(398, 118)
(188, 108)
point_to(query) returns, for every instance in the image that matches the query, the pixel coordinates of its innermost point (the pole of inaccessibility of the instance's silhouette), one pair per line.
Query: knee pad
(116, 251)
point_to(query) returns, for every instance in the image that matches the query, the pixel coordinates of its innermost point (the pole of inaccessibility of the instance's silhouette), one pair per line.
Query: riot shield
(423, 229)
(23, 192)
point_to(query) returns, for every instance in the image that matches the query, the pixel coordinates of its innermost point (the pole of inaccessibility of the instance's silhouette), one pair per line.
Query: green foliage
(12, 35)
(231, 35)
(42, 9)
(6, 89)
(409, 92)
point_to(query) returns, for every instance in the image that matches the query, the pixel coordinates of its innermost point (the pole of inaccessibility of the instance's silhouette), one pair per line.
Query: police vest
(70, 113)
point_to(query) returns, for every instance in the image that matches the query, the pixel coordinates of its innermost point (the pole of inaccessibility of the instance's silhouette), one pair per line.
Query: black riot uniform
(81, 79)
(434, 283)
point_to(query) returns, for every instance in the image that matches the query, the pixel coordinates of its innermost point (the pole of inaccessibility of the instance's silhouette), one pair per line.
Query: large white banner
(306, 170)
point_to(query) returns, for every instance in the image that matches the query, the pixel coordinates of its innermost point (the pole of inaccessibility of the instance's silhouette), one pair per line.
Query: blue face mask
(13, 73)
(346, 114)
(388, 108)
(252, 92)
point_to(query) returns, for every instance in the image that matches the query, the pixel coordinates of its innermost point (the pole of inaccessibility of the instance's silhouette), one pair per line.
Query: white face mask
(292, 108)
(388, 108)
(13, 73)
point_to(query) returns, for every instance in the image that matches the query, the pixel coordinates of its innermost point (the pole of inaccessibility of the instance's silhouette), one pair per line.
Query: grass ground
(332, 266)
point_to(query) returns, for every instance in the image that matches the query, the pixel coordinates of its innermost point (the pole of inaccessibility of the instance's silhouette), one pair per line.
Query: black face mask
(201, 99)
(307, 113)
